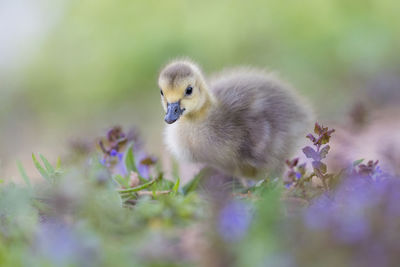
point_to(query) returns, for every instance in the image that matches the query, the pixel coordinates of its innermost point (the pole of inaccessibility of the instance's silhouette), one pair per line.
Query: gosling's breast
(196, 142)
(183, 140)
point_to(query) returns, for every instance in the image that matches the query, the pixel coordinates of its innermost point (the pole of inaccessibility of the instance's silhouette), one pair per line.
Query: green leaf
(121, 180)
(176, 187)
(192, 184)
(130, 159)
(259, 186)
(47, 165)
(357, 162)
(58, 164)
(260, 183)
(40, 168)
(137, 188)
(22, 171)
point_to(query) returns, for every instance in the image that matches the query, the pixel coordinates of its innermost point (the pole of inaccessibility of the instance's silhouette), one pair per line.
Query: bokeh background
(70, 69)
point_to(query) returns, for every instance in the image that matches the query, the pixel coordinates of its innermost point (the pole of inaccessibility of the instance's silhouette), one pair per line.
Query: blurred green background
(72, 68)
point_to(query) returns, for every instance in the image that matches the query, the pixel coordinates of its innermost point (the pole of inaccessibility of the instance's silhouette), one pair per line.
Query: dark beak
(174, 111)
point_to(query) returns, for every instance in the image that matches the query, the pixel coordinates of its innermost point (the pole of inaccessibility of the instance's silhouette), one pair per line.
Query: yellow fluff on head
(244, 122)
(175, 78)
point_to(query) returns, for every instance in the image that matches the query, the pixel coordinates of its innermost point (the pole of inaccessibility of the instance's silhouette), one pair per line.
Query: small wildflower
(113, 153)
(298, 175)
(143, 163)
(234, 221)
(120, 168)
(61, 245)
(357, 212)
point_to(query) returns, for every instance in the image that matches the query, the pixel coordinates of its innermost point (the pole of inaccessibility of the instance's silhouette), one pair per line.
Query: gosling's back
(263, 116)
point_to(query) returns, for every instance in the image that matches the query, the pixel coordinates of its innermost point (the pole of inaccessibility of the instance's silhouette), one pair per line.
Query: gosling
(244, 122)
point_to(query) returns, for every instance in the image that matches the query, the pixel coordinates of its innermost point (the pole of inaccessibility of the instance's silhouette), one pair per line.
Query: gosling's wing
(266, 112)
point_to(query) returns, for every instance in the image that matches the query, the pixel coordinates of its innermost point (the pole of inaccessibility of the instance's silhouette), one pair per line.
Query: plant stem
(137, 188)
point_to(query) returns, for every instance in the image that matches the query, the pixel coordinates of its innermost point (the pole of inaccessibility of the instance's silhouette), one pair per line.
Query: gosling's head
(183, 90)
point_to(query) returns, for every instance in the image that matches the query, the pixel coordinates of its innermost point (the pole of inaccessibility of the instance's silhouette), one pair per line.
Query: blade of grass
(164, 184)
(58, 164)
(40, 168)
(50, 169)
(23, 174)
(357, 162)
(192, 184)
(129, 159)
(176, 187)
(259, 185)
(121, 181)
(137, 188)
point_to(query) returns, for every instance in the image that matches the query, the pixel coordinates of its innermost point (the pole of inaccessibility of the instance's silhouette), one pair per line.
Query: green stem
(137, 188)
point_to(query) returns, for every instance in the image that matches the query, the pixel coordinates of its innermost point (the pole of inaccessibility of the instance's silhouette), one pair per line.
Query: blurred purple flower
(317, 216)
(279, 259)
(57, 243)
(144, 170)
(379, 174)
(113, 153)
(142, 160)
(62, 246)
(298, 175)
(115, 159)
(120, 168)
(352, 229)
(234, 220)
(354, 211)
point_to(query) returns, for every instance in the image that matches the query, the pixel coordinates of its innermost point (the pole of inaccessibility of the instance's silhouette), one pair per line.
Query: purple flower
(105, 162)
(234, 220)
(317, 216)
(56, 242)
(144, 169)
(115, 160)
(352, 229)
(298, 175)
(352, 212)
(379, 174)
(120, 168)
(62, 246)
(113, 153)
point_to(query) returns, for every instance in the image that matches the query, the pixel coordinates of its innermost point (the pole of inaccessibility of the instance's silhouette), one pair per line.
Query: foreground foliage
(116, 207)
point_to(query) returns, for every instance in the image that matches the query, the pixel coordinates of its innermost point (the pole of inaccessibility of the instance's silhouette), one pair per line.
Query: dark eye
(161, 92)
(189, 90)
